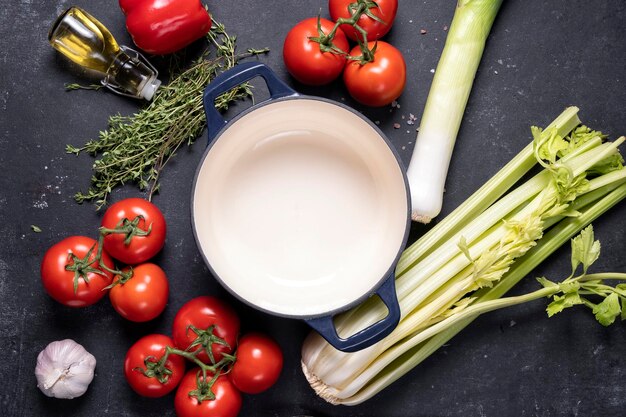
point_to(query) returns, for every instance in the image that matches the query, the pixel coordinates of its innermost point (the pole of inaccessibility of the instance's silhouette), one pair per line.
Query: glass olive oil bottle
(83, 39)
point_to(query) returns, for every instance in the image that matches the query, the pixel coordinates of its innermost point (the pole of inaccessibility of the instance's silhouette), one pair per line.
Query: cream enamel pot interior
(300, 207)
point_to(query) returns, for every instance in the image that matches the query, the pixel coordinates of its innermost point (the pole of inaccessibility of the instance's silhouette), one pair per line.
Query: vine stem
(128, 227)
(360, 8)
(192, 356)
(204, 385)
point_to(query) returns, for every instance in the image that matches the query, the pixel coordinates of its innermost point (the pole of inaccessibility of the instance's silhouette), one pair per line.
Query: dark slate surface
(541, 56)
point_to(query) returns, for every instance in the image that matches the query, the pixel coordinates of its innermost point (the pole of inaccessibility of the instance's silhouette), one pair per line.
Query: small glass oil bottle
(86, 41)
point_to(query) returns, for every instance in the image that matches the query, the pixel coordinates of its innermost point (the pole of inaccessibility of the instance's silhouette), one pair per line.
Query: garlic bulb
(64, 369)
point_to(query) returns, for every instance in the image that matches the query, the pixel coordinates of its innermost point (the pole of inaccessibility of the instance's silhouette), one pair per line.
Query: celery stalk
(472, 253)
(433, 297)
(486, 195)
(552, 240)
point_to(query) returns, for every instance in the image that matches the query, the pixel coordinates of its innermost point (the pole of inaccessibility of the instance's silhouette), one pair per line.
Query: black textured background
(541, 57)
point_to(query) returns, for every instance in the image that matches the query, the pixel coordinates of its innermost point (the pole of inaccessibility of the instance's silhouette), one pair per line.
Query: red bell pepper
(164, 26)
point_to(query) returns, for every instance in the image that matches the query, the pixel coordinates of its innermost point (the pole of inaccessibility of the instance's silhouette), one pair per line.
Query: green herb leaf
(549, 149)
(611, 163)
(546, 282)
(458, 306)
(562, 302)
(569, 188)
(569, 287)
(72, 149)
(584, 249)
(74, 86)
(620, 289)
(135, 149)
(462, 245)
(607, 311)
(580, 136)
(35, 229)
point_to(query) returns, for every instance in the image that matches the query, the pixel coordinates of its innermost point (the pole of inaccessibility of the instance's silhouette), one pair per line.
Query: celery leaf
(546, 282)
(548, 149)
(607, 311)
(462, 245)
(569, 287)
(458, 306)
(580, 136)
(613, 162)
(569, 188)
(620, 289)
(560, 303)
(585, 250)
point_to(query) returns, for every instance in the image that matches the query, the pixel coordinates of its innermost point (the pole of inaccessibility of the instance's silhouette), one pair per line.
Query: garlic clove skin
(64, 369)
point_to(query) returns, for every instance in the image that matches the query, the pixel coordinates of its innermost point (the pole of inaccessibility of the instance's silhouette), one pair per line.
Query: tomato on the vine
(258, 364)
(70, 274)
(304, 57)
(142, 371)
(142, 297)
(385, 10)
(143, 230)
(206, 318)
(379, 82)
(227, 401)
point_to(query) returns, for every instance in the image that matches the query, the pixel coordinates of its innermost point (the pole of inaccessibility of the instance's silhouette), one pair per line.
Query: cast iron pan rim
(407, 226)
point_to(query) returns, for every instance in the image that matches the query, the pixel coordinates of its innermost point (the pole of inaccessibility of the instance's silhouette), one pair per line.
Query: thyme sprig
(75, 86)
(136, 148)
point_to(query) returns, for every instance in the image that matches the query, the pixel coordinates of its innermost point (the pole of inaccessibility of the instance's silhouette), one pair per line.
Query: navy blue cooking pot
(300, 207)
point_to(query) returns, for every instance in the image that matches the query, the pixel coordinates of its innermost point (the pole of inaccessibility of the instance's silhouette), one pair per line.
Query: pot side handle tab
(230, 79)
(370, 335)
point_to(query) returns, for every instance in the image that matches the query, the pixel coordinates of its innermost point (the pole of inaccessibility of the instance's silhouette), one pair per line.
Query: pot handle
(231, 78)
(370, 335)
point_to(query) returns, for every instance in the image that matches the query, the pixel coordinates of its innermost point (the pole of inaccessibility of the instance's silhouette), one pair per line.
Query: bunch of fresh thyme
(134, 149)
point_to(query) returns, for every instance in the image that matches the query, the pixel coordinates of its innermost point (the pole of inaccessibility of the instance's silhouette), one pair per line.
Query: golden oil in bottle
(83, 39)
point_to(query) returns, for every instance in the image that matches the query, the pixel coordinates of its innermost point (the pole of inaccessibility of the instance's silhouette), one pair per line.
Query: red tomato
(258, 364)
(203, 312)
(152, 345)
(379, 82)
(386, 11)
(59, 282)
(144, 296)
(140, 248)
(304, 59)
(227, 401)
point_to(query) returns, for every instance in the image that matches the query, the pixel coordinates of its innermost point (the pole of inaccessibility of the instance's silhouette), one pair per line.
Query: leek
(446, 103)
(471, 254)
